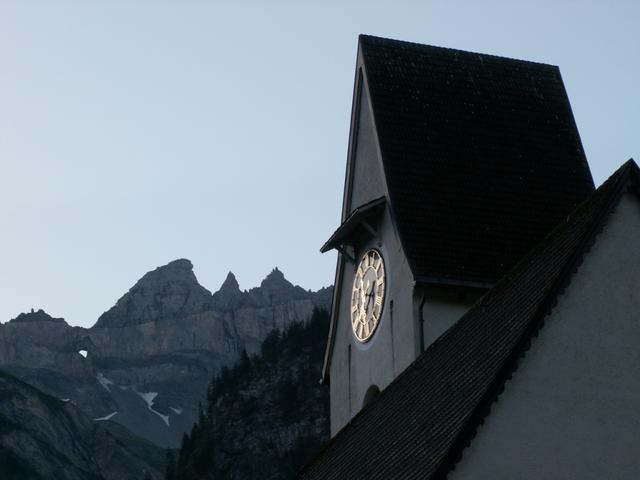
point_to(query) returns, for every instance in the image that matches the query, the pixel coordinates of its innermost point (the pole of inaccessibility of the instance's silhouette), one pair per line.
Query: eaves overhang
(358, 218)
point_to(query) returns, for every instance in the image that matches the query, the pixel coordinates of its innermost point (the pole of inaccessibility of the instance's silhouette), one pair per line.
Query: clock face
(367, 296)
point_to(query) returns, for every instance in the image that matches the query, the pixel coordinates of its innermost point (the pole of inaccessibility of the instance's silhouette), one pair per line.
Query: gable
(571, 408)
(353, 366)
(366, 176)
(365, 201)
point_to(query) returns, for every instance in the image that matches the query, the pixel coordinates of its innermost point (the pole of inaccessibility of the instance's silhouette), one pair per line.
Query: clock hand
(362, 293)
(370, 296)
(365, 291)
(366, 308)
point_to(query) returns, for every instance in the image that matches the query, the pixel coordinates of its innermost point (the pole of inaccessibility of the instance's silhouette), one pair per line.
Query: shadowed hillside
(266, 416)
(42, 437)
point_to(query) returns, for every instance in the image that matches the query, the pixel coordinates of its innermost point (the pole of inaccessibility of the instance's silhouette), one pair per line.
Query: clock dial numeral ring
(367, 295)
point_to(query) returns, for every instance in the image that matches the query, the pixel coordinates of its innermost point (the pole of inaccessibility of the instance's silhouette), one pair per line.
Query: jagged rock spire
(230, 283)
(275, 280)
(276, 288)
(229, 296)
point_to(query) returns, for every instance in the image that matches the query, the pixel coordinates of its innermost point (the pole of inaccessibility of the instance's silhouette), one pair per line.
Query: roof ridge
(417, 45)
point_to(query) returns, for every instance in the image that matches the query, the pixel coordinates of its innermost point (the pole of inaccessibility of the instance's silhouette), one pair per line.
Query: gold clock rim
(384, 294)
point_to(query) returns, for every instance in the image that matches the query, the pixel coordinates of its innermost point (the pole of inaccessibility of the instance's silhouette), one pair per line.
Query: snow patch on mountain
(107, 417)
(149, 397)
(178, 411)
(83, 353)
(104, 381)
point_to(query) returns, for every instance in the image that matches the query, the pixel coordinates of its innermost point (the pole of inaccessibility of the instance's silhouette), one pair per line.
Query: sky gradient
(135, 133)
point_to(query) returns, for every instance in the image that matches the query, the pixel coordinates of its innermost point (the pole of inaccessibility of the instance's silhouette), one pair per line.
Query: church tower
(458, 163)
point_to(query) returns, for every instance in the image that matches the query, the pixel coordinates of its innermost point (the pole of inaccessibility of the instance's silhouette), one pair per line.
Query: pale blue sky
(133, 133)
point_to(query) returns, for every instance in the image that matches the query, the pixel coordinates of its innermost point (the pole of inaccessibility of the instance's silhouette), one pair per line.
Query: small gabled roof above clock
(419, 424)
(480, 154)
(357, 218)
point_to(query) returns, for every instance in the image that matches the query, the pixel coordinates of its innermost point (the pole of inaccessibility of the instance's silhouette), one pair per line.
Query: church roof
(481, 156)
(420, 423)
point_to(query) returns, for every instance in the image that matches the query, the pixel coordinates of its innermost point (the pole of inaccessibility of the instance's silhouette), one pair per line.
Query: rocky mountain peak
(39, 316)
(275, 288)
(180, 263)
(169, 291)
(275, 280)
(230, 284)
(229, 296)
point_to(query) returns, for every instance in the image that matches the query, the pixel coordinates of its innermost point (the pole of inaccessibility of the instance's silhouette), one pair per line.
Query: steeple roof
(480, 153)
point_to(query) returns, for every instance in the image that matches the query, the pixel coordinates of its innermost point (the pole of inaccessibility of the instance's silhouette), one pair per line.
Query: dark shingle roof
(422, 420)
(481, 155)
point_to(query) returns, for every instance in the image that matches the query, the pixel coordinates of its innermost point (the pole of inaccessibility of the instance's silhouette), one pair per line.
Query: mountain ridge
(147, 361)
(36, 316)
